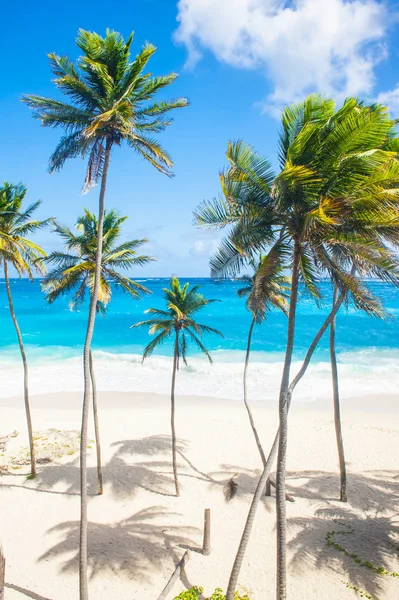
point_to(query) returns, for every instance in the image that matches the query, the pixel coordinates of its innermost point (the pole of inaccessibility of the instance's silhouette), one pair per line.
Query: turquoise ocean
(368, 348)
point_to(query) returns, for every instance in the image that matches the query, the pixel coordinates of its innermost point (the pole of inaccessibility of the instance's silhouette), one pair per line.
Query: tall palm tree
(337, 410)
(74, 271)
(273, 285)
(112, 101)
(26, 257)
(378, 311)
(335, 168)
(178, 321)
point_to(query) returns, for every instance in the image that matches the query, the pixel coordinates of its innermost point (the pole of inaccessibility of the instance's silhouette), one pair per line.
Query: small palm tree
(271, 292)
(178, 322)
(112, 102)
(74, 272)
(26, 257)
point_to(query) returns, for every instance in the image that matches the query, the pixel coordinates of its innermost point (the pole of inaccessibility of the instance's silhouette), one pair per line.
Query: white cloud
(390, 99)
(204, 247)
(329, 46)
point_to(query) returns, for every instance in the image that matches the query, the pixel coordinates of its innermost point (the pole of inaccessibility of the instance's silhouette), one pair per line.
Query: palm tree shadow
(136, 546)
(123, 473)
(367, 527)
(152, 445)
(25, 592)
(372, 490)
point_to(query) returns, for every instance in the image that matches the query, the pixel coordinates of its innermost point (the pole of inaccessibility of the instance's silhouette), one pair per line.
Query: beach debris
(4, 439)
(3, 447)
(230, 488)
(175, 576)
(51, 445)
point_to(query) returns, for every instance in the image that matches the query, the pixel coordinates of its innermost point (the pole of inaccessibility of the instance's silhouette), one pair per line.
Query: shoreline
(360, 374)
(370, 403)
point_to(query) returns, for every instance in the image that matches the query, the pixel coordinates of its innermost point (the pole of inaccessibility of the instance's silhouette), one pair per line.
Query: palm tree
(177, 321)
(112, 101)
(337, 410)
(273, 287)
(334, 170)
(74, 272)
(26, 257)
(378, 311)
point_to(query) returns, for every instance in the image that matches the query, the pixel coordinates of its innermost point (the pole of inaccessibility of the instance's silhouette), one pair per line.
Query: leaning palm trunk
(96, 428)
(251, 419)
(281, 527)
(83, 585)
(235, 572)
(337, 411)
(25, 364)
(172, 414)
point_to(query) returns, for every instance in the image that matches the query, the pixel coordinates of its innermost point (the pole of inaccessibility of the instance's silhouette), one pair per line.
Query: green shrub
(195, 593)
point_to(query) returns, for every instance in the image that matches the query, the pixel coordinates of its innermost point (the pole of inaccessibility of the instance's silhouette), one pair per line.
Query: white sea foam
(363, 372)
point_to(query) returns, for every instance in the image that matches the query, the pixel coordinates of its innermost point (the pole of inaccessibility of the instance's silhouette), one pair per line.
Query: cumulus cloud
(390, 99)
(328, 46)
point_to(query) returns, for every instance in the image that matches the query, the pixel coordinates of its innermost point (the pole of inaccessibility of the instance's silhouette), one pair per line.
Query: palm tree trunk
(25, 364)
(239, 558)
(96, 428)
(172, 414)
(83, 585)
(281, 527)
(251, 419)
(337, 411)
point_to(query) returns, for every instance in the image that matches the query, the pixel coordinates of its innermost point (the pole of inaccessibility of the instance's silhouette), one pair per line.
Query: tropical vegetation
(332, 205)
(326, 218)
(177, 322)
(73, 272)
(111, 103)
(272, 291)
(196, 593)
(26, 257)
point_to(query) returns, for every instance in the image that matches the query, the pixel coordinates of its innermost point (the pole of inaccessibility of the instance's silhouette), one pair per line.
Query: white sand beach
(139, 530)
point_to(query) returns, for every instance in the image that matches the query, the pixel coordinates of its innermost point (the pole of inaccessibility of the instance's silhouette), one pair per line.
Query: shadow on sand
(366, 527)
(136, 546)
(25, 592)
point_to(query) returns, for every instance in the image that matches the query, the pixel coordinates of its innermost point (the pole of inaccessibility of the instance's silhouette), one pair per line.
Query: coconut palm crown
(15, 225)
(74, 268)
(182, 305)
(334, 203)
(112, 101)
(271, 285)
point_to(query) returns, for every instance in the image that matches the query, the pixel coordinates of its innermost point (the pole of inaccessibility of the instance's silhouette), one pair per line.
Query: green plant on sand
(196, 593)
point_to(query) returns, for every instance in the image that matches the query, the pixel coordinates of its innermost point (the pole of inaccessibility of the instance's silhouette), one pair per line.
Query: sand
(139, 530)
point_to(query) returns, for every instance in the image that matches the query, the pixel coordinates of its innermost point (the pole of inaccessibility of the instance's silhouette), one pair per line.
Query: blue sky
(239, 62)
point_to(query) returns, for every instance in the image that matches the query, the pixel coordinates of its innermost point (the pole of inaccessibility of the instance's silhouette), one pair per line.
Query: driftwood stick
(2, 573)
(174, 577)
(206, 545)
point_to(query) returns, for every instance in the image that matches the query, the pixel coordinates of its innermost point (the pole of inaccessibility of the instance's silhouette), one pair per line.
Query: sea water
(367, 348)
